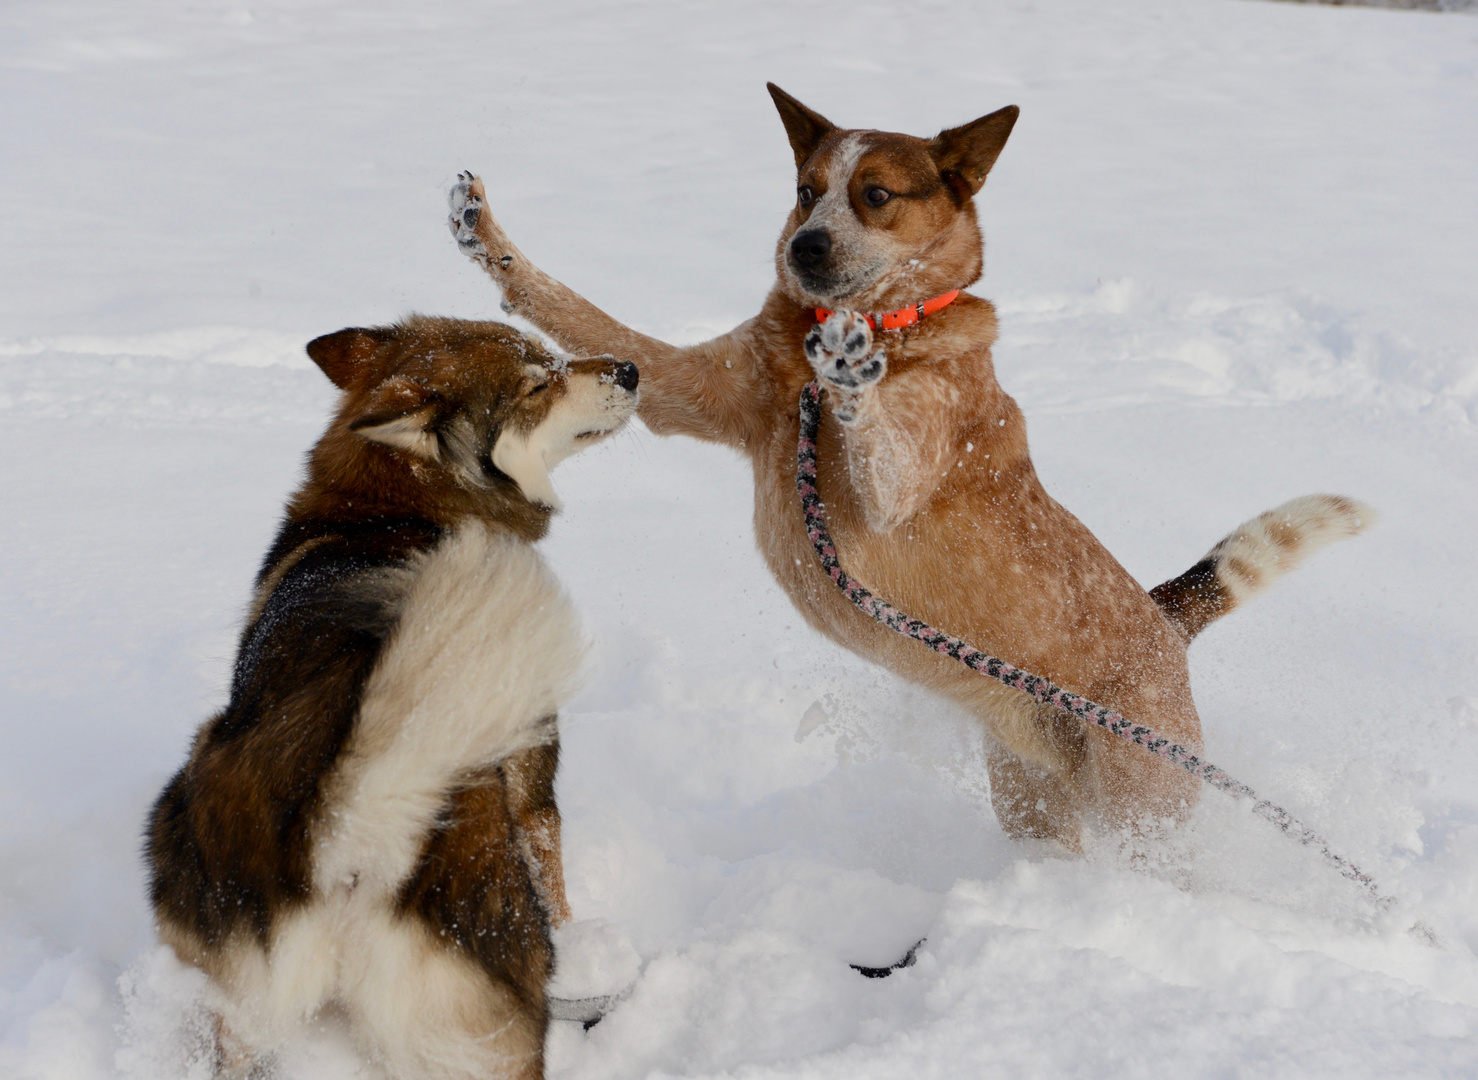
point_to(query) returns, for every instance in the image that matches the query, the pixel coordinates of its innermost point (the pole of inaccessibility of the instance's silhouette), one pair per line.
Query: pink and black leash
(1036, 687)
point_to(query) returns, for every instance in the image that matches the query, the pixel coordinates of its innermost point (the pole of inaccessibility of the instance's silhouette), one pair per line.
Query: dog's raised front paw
(466, 203)
(470, 222)
(476, 233)
(840, 350)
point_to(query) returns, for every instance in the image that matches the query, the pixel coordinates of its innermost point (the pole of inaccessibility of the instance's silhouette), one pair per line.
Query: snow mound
(1125, 345)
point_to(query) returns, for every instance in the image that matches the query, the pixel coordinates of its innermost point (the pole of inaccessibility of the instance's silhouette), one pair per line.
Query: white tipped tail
(1257, 554)
(1262, 550)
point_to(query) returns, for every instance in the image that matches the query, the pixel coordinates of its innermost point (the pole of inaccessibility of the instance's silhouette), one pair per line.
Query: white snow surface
(1233, 245)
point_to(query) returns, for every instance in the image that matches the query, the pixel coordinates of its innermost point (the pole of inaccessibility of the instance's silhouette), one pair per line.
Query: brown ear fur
(804, 127)
(965, 154)
(400, 412)
(341, 355)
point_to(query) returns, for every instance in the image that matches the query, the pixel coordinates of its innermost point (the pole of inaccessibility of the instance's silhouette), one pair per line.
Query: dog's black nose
(810, 248)
(627, 375)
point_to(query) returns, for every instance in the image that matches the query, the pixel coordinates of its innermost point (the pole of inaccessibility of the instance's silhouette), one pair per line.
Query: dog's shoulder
(327, 597)
(485, 632)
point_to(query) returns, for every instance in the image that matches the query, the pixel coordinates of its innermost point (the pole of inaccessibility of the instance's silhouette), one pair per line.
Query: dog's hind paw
(841, 353)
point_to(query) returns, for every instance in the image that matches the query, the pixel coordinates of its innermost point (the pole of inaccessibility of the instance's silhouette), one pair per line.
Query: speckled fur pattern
(931, 491)
(1038, 689)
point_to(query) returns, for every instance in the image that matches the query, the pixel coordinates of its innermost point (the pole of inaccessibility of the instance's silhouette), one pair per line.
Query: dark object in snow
(883, 972)
(588, 1011)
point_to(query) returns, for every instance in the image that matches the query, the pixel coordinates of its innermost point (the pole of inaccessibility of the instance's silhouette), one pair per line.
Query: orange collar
(904, 316)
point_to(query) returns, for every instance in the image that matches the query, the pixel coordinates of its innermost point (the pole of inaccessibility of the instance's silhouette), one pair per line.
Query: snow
(1232, 245)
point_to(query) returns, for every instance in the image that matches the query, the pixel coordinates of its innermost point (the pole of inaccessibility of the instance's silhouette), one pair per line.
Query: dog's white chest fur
(485, 649)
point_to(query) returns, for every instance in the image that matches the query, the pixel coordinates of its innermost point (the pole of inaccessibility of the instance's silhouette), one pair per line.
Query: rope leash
(1038, 688)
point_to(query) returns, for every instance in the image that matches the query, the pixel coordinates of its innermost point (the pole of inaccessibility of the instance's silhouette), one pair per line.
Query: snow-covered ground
(1235, 248)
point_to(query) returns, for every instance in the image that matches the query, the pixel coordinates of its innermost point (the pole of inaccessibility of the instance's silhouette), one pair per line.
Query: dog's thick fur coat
(370, 823)
(923, 464)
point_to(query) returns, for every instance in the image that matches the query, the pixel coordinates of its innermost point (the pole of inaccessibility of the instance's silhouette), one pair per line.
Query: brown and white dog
(369, 825)
(923, 463)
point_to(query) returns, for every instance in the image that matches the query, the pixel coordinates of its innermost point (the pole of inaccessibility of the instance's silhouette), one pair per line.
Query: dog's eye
(876, 196)
(806, 195)
(539, 389)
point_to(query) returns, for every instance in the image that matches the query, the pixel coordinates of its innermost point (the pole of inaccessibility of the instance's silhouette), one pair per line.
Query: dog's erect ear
(400, 413)
(804, 127)
(342, 355)
(965, 154)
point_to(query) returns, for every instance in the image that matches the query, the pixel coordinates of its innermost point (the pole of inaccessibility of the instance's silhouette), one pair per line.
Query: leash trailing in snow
(1038, 688)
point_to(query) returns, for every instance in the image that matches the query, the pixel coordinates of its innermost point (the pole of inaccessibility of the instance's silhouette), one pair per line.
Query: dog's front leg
(710, 391)
(577, 324)
(896, 432)
(529, 777)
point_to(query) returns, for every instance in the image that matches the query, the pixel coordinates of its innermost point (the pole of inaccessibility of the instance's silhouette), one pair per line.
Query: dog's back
(349, 829)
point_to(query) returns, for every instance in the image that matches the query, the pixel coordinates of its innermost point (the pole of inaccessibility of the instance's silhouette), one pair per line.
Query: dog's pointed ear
(342, 356)
(965, 154)
(805, 127)
(401, 413)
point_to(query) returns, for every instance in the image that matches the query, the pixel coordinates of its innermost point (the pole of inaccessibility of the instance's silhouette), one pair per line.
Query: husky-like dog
(369, 825)
(923, 463)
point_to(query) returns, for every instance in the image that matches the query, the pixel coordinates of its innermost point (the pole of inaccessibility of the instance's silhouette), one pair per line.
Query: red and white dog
(923, 462)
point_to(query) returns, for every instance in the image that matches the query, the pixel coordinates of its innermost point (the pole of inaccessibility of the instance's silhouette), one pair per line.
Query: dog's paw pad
(844, 333)
(840, 350)
(465, 203)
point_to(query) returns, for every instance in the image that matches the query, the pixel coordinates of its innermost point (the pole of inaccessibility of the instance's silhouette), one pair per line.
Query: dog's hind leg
(1030, 802)
(449, 981)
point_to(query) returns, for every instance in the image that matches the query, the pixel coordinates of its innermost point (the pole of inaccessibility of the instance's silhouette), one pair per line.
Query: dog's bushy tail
(1257, 554)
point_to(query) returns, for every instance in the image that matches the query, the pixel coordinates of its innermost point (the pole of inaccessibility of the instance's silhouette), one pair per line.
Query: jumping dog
(923, 463)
